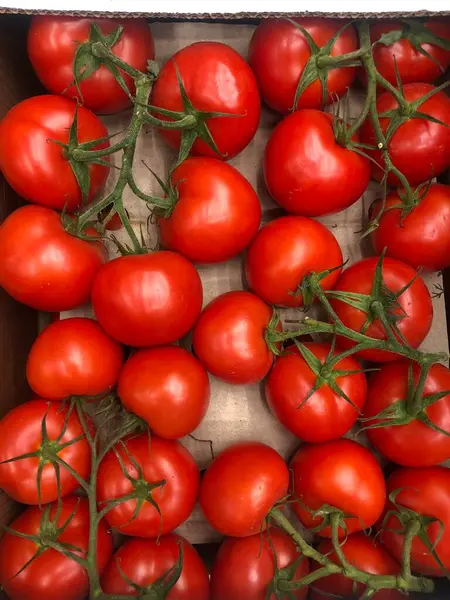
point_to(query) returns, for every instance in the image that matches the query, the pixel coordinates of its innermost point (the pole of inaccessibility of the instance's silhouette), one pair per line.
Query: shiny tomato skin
(159, 460)
(168, 387)
(244, 567)
(43, 266)
(73, 357)
(278, 54)
(216, 79)
(51, 576)
(33, 165)
(228, 338)
(145, 561)
(341, 473)
(286, 250)
(307, 172)
(325, 416)
(147, 299)
(241, 486)
(217, 213)
(415, 302)
(53, 41)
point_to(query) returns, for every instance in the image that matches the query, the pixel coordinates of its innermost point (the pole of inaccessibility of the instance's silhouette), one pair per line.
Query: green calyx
(310, 281)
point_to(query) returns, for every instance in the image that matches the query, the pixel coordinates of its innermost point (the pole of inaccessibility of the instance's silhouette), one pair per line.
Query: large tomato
(145, 561)
(241, 486)
(325, 415)
(278, 55)
(342, 474)
(244, 567)
(53, 42)
(73, 357)
(34, 165)
(147, 299)
(165, 461)
(216, 79)
(285, 251)
(217, 213)
(51, 575)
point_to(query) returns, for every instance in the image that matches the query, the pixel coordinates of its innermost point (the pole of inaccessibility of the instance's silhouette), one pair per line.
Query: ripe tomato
(285, 251)
(419, 148)
(216, 79)
(244, 567)
(73, 357)
(307, 171)
(278, 55)
(422, 238)
(43, 266)
(147, 299)
(415, 310)
(145, 561)
(159, 460)
(325, 415)
(229, 339)
(342, 474)
(168, 387)
(53, 41)
(217, 213)
(241, 486)
(51, 575)
(427, 492)
(33, 165)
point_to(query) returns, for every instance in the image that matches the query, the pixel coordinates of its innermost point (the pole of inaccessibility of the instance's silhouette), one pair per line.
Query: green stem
(415, 404)
(340, 60)
(99, 50)
(81, 155)
(411, 531)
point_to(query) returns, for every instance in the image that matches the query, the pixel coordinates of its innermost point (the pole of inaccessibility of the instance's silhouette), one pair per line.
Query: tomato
(51, 576)
(35, 166)
(217, 213)
(414, 313)
(285, 251)
(325, 415)
(168, 387)
(73, 357)
(241, 486)
(244, 567)
(159, 460)
(419, 148)
(145, 561)
(278, 55)
(427, 492)
(216, 79)
(147, 299)
(228, 338)
(422, 238)
(53, 42)
(342, 474)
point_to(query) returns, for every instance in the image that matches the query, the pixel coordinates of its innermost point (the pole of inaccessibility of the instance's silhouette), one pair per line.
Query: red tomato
(216, 79)
(427, 492)
(325, 415)
(342, 474)
(285, 251)
(159, 460)
(147, 299)
(229, 339)
(73, 357)
(35, 166)
(419, 148)
(241, 486)
(51, 576)
(145, 561)
(53, 41)
(278, 55)
(415, 312)
(43, 266)
(217, 213)
(168, 387)
(244, 567)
